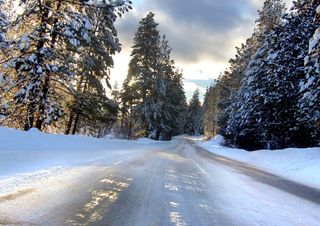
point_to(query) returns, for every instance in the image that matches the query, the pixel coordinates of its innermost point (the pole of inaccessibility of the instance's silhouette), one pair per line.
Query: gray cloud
(196, 29)
(126, 27)
(193, 44)
(213, 15)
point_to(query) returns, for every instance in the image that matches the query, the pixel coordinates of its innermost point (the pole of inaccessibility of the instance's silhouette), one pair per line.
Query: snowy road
(180, 185)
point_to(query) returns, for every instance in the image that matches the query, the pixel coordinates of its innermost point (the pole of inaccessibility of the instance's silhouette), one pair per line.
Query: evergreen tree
(3, 25)
(229, 83)
(92, 72)
(129, 100)
(152, 92)
(119, 129)
(3, 46)
(116, 94)
(309, 102)
(168, 96)
(194, 118)
(289, 49)
(143, 69)
(178, 102)
(252, 118)
(211, 110)
(52, 38)
(264, 114)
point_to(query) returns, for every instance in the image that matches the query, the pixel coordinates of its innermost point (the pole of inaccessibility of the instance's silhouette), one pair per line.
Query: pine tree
(3, 46)
(168, 96)
(129, 100)
(211, 110)
(119, 128)
(309, 102)
(289, 49)
(221, 96)
(143, 69)
(177, 101)
(265, 115)
(229, 84)
(152, 94)
(252, 116)
(3, 26)
(116, 94)
(92, 73)
(194, 118)
(51, 40)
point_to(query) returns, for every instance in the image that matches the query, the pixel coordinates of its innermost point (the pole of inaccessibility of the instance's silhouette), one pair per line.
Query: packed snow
(298, 164)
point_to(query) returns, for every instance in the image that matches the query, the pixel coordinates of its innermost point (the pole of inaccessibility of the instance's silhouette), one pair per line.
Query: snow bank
(301, 165)
(22, 152)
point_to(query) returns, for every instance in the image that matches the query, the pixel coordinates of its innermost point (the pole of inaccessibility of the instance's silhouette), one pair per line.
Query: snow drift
(299, 164)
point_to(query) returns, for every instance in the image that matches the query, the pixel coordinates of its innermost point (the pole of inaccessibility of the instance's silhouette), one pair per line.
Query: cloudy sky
(202, 33)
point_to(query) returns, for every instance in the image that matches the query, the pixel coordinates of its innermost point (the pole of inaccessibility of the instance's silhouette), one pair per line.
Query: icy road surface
(180, 185)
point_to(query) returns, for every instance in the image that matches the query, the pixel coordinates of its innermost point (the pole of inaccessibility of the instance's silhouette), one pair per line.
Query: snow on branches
(309, 104)
(3, 25)
(46, 52)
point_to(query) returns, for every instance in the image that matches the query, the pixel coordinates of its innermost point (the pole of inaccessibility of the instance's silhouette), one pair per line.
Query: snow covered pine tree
(3, 26)
(309, 104)
(50, 36)
(288, 51)
(143, 70)
(153, 89)
(253, 118)
(194, 120)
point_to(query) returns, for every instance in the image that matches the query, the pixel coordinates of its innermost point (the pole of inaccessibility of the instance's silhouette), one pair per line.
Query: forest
(269, 98)
(56, 56)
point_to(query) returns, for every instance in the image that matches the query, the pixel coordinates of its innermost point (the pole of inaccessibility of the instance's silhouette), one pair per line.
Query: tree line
(55, 60)
(269, 97)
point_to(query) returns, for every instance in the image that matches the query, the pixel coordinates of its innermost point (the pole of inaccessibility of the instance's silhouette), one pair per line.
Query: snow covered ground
(26, 157)
(302, 165)
(77, 180)
(24, 153)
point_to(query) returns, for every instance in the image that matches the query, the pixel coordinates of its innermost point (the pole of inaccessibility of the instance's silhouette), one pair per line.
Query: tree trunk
(46, 86)
(42, 106)
(76, 122)
(30, 117)
(157, 137)
(69, 126)
(214, 131)
(40, 45)
(130, 128)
